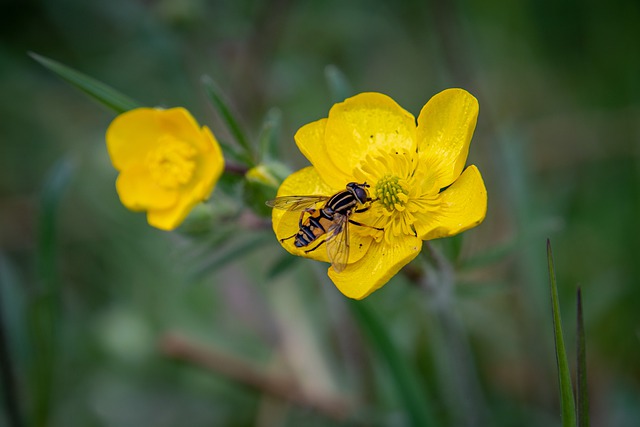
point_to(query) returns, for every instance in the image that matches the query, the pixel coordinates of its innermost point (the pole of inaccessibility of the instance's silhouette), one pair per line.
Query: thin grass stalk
(582, 393)
(567, 403)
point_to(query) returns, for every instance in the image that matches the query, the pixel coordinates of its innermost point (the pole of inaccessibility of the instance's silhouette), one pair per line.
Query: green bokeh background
(88, 290)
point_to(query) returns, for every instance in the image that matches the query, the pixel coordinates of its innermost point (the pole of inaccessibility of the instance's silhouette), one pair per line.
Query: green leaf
(582, 393)
(55, 184)
(92, 87)
(339, 85)
(44, 307)
(408, 388)
(222, 107)
(567, 403)
(269, 135)
(230, 152)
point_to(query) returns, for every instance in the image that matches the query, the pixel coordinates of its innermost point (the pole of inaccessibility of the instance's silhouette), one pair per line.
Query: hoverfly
(331, 220)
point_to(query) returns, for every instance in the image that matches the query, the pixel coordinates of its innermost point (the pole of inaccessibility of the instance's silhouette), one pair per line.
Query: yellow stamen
(171, 164)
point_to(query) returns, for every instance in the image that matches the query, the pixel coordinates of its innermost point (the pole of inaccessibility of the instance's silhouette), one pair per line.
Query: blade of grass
(582, 393)
(567, 403)
(44, 308)
(55, 184)
(99, 91)
(222, 107)
(409, 390)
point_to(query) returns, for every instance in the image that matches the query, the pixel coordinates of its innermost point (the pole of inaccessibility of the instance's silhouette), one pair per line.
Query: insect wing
(296, 203)
(338, 243)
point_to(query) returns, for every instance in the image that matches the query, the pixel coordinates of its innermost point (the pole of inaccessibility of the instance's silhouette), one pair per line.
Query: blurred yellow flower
(167, 163)
(420, 188)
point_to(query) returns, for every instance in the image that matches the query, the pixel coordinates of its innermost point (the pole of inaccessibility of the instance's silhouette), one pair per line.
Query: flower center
(391, 193)
(171, 164)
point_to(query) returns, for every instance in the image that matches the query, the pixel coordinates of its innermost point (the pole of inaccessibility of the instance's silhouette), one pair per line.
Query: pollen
(171, 165)
(391, 193)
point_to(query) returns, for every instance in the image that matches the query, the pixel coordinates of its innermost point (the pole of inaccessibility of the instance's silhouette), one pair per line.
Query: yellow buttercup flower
(167, 163)
(418, 183)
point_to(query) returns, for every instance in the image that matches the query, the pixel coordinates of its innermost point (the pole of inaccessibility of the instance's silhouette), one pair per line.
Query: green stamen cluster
(390, 193)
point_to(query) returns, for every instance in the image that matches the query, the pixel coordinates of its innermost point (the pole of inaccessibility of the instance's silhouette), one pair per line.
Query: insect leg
(365, 225)
(315, 247)
(287, 238)
(299, 224)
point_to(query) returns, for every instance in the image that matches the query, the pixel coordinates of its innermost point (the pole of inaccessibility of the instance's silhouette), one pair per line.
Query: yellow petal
(179, 123)
(445, 127)
(138, 192)
(210, 166)
(307, 182)
(310, 141)
(367, 124)
(374, 270)
(458, 208)
(169, 219)
(133, 134)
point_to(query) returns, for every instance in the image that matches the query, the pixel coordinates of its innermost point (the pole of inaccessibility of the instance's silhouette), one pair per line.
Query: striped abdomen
(319, 221)
(314, 226)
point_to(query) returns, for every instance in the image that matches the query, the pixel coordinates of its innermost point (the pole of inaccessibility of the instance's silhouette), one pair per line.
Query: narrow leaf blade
(567, 402)
(99, 91)
(43, 311)
(269, 135)
(582, 393)
(221, 105)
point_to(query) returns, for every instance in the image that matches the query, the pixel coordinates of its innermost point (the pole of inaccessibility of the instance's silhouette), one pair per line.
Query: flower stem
(235, 169)
(179, 347)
